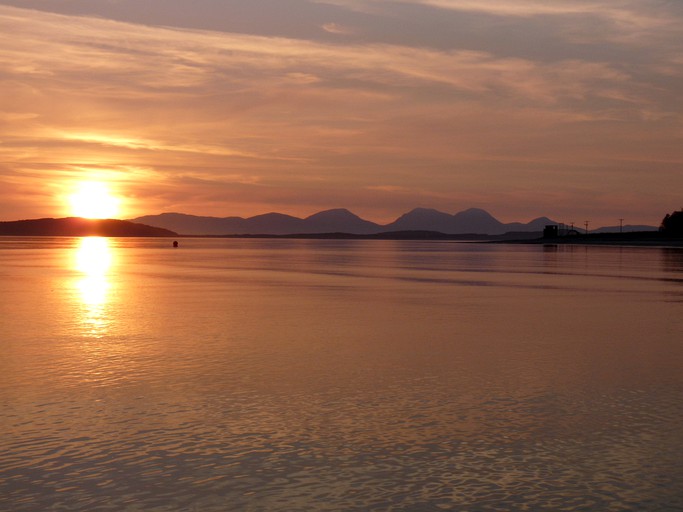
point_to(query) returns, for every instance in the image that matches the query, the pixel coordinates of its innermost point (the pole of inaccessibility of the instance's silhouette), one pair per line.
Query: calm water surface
(285, 375)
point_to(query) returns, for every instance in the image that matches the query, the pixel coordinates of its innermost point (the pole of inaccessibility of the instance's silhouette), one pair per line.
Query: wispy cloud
(631, 11)
(336, 28)
(630, 21)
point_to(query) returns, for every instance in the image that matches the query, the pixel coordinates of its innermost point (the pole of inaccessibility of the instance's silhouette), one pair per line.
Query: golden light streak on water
(93, 260)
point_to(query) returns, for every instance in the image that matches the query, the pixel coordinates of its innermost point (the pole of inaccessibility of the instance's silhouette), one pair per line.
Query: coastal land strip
(117, 228)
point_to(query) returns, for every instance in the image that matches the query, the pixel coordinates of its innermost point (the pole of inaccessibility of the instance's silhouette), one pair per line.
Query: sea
(339, 375)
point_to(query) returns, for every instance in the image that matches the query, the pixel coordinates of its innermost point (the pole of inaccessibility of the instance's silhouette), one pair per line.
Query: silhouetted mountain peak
(334, 213)
(422, 219)
(273, 216)
(424, 211)
(475, 213)
(339, 220)
(476, 220)
(538, 220)
(174, 214)
(168, 215)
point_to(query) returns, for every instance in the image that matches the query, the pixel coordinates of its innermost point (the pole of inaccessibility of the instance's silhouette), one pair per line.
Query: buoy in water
(175, 243)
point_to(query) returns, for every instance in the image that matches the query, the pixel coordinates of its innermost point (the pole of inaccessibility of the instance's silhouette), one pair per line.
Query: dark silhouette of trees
(672, 224)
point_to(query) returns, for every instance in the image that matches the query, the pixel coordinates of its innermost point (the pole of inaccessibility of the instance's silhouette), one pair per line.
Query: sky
(567, 109)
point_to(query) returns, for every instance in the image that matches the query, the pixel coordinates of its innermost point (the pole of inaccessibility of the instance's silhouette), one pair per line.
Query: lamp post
(586, 224)
(621, 225)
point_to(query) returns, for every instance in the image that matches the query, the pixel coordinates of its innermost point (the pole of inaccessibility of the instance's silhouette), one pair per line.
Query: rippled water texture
(284, 375)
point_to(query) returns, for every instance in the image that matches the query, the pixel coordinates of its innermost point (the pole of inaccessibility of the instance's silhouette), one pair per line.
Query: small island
(78, 226)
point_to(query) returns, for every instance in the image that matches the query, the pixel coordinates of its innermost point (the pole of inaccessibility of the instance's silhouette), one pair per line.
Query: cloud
(124, 61)
(618, 21)
(271, 121)
(17, 116)
(336, 28)
(629, 11)
(525, 8)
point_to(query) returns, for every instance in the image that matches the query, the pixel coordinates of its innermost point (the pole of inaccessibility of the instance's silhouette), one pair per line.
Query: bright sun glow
(93, 200)
(93, 257)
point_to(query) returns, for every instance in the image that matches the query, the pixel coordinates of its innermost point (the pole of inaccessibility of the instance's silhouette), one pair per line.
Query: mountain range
(340, 220)
(417, 224)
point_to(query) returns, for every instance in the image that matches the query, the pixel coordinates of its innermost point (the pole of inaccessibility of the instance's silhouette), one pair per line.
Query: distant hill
(340, 220)
(471, 221)
(269, 223)
(76, 226)
(420, 218)
(624, 229)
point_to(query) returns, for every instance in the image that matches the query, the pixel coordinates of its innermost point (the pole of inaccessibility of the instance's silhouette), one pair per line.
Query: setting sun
(93, 200)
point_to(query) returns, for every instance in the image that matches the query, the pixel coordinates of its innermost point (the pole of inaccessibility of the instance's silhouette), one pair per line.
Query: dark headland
(76, 226)
(636, 238)
(670, 234)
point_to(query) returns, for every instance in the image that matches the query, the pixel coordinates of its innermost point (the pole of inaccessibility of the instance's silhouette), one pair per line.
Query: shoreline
(633, 239)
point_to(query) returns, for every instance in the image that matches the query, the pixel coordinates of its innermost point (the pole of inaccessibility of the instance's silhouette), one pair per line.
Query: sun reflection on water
(93, 259)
